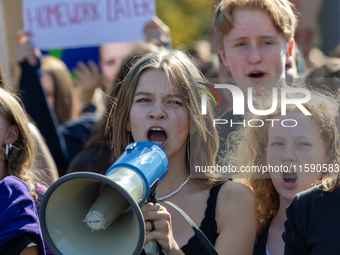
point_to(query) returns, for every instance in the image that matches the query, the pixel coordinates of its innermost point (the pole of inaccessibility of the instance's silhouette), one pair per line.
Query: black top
(208, 227)
(260, 245)
(313, 225)
(16, 245)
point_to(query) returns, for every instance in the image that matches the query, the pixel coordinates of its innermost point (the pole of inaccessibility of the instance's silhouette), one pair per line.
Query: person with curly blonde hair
(287, 154)
(312, 225)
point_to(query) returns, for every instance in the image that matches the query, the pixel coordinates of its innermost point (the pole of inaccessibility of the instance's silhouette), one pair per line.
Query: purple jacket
(18, 214)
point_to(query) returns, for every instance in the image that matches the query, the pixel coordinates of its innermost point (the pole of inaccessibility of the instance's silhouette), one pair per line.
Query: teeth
(156, 129)
(159, 143)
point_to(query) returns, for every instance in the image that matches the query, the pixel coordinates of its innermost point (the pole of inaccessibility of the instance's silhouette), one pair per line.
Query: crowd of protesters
(53, 126)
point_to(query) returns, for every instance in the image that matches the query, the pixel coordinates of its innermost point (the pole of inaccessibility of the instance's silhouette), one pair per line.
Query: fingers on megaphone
(154, 212)
(162, 222)
(152, 207)
(163, 229)
(163, 238)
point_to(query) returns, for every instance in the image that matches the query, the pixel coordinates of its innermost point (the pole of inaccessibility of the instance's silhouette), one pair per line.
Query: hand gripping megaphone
(91, 214)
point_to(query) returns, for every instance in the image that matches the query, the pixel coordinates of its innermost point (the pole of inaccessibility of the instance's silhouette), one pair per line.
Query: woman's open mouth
(157, 135)
(256, 75)
(289, 180)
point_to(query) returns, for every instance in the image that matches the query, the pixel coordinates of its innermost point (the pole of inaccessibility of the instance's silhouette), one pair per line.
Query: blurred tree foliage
(189, 20)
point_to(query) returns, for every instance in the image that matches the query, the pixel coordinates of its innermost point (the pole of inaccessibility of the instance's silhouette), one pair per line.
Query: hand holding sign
(25, 50)
(157, 32)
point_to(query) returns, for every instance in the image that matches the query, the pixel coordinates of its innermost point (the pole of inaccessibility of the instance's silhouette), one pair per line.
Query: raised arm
(36, 105)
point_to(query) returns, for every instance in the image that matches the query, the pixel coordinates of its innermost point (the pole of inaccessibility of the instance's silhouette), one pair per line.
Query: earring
(129, 134)
(8, 147)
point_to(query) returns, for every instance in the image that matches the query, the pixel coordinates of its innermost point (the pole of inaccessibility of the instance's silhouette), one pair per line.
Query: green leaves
(189, 20)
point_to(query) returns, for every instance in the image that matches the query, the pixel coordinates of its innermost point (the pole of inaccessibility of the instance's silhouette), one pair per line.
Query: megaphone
(88, 213)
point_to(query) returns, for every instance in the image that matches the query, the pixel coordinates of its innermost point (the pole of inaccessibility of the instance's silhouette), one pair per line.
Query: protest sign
(85, 23)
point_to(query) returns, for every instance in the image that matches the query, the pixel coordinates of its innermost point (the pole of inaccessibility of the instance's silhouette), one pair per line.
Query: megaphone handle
(153, 248)
(152, 197)
(201, 236)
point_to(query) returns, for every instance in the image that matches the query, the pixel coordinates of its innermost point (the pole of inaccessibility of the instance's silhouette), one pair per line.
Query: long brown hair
(21, 156)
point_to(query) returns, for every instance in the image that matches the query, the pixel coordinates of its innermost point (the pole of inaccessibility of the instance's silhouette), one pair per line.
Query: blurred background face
(112, 56)
(295, 146)
(49, 89)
